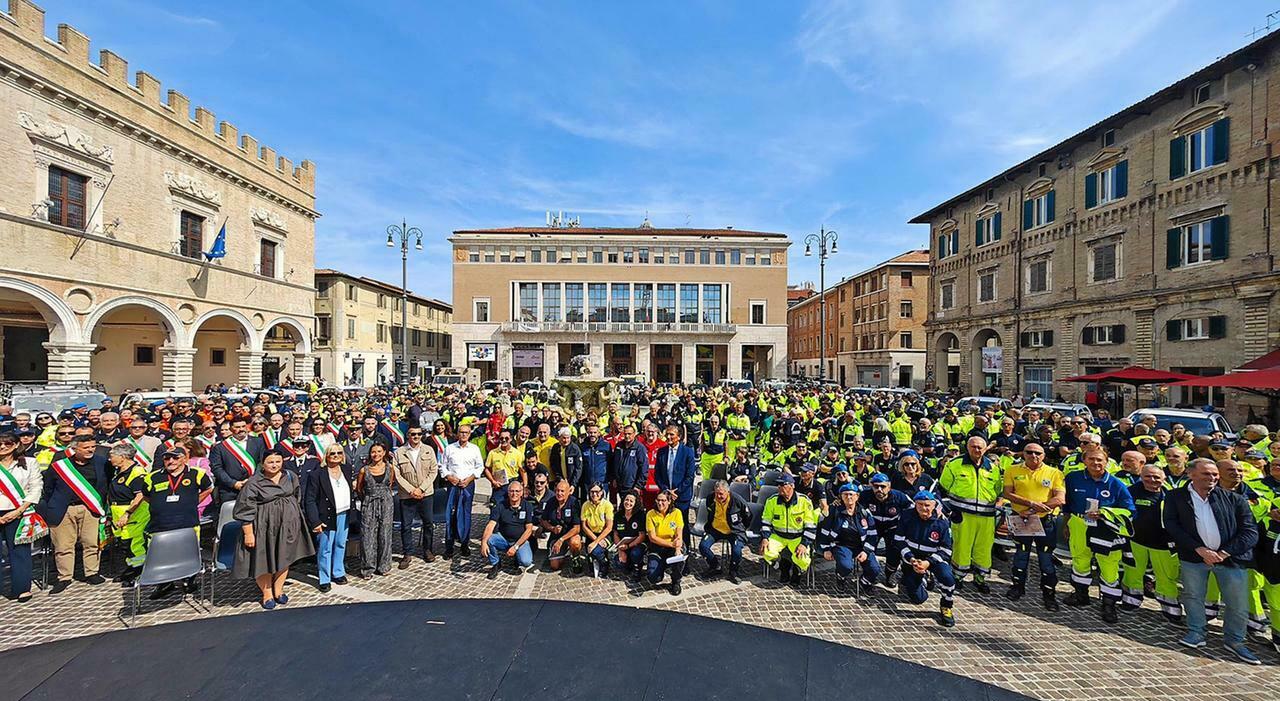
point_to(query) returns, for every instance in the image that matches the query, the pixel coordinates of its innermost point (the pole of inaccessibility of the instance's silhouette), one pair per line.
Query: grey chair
(705, 489)
(699, 526)
(765, 492)
(172, 556)
(770, 478)
(742, 489)
(223, 555)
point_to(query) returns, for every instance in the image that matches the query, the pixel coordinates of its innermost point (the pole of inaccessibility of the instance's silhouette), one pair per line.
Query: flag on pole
(219, 249)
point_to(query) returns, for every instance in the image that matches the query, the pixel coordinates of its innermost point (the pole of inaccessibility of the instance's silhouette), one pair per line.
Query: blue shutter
(1220, 133)
(1177, 157)
(1122, 179)
(995, 226)
(1173, 248)
(1091, 191)
(1026, 214)
(1048, 208)
(1219, 228)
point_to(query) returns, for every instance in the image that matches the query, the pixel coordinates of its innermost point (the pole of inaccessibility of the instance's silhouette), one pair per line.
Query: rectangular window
(904, 309)
(551, 301)
(191, 235)
(689, 256)
(613, 256)
(353, 293)
(765, 258)
(598, 302)
(666, 303)
(528, 298)
(620, 302)
(711, 304)
(1105, 258)
(582, 255)
(1038, 276)
(642, 256)
(504, 257)
(1109, 138)
(1038, 211)
(1198, 329)
(473, 257)
(144, 355)
(751, 257)
(987, 286)
(382, 302)
(704, 256)
(551, 255)
(1103, 335)
(395, 335)
(489, 256)
(948, 244)
(904, 278)
(1039, 381)
(351, 329)
(904, 339)
(520, 257)
(1198, 243)
(947, 295)
(536, 255)
(573, 302)
(628, 256)
(382, 333)
(68, 195)
(735, 256)
(416, 337)
(757, 313)
(644, 303)
(597, 256)
(267, 258)
(218, 357)
(720, 259)
(1106, 185)
(1195, 329)
(688, 304)
(1201, 149)
(481, 309)
(659, 258)
(987, 230)
(323, 324)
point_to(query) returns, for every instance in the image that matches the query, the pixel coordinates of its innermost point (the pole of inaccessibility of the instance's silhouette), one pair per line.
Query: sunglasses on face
(1033, 452)
(8, 441)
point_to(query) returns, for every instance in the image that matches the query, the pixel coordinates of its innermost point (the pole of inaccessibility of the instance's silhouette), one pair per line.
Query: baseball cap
(786, 479)
(1220, 445)
(172, 452)
(842, 468)
(1147, 443)
(846, 487)
(925, 495)
(808, 467)
(1256, 455)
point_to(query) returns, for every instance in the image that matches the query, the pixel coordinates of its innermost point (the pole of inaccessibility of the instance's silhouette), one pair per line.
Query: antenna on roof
(1273, 20)
(557, 220)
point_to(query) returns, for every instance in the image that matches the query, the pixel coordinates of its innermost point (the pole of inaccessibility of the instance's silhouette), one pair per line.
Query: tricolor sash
(31, 526)
(206, 441)
(319, 444)
(271, 437)
(335, 429)
(394, 429)
(81, 486)
(139, 456)
(10, 487)
(241, 454)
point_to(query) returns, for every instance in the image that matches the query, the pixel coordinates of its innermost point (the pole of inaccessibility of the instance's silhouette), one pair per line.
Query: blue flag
(219, 249)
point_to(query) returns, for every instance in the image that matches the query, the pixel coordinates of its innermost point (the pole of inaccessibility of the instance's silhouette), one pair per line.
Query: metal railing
(615, 327)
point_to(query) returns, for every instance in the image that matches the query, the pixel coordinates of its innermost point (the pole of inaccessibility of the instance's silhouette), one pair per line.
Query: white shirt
(413, 453)
(341, 493)
(462, 461)
(27, 474)
(1206, 524)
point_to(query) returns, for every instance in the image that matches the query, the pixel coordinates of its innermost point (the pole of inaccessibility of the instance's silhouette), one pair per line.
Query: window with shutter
(1217, 327)
(67, 198)
(1177, 157)
(1104, 257)
(1038, 211)
(191, 229)
(1218, 238)
(1089, 336)
(1047, 338)
(1117, 333)
(1173, 330)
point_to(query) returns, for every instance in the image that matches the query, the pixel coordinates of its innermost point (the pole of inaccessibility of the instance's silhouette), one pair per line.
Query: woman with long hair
(664, 528)
(629, 533)
(376, 485)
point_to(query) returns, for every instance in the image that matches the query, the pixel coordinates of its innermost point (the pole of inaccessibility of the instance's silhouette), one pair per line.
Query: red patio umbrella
(1249, 379)
(1266, 362)
(1134, 375)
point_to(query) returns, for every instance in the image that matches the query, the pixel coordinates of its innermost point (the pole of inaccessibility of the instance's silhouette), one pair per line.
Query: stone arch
(63, 327)
(227, 349)
(176, 329)
(251, 336)
(982, 338)
(303, 334)
(946, 348)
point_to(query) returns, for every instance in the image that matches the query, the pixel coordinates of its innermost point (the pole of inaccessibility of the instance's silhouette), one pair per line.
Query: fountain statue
(582, 387)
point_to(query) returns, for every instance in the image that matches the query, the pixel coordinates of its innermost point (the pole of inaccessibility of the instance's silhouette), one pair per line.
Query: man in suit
(675, 470)
(416, 469)
(235, 459)
(71, 503)
(392, 429)
(1213, 532)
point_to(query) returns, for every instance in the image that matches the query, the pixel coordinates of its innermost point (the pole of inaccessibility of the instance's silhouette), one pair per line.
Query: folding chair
(705, 489)
(172, 556)
(770, 478)
(223, 556)
(742, 489)
(42, 548)
(765, 492)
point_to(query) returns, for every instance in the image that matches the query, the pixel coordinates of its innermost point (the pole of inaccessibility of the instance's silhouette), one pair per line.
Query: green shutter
(1026, 214)
(1219, 228)
(1173, 330)
(1046, 338)
(1048, 208)
(1221, 134)
(1122, 179)
(1088, 336)
(942, 246)
(995, 225)
(1173, 248)
(1217, 327)
(977, 233)
(1091, 191)
(1177, 157)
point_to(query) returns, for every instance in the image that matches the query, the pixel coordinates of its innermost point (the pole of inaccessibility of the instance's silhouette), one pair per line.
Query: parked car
(150, 398)
(736, 385)
(50, 397)
(984, 403)
(1201, 423)
(1068, 410)
(495, 385)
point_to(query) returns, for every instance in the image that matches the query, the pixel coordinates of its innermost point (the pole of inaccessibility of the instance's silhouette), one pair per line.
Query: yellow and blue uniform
(1110, 493)
(788, 524)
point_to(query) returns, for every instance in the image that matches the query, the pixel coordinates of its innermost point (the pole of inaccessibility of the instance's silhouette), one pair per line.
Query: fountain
(582, 387)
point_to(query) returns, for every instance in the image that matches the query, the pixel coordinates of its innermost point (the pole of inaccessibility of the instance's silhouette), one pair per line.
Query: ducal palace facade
(111, 195)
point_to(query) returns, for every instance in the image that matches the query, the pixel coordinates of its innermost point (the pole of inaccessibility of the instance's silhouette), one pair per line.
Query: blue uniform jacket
(924, 539)
(630, 467)
(887, 512)
(595, 462)
(856, 530)
(1108, 490)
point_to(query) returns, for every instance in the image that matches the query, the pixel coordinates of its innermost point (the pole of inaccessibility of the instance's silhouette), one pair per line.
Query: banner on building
(993, 360)
(526, 358)
(482, 352)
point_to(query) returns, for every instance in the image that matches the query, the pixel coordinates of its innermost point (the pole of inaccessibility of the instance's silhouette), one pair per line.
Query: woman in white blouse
(20, 486)
(327, 497)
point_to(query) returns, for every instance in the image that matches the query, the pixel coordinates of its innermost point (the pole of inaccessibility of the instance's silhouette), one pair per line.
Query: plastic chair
(440, 505)
(742, 489)
(223, 556)
(705, 489)
(765, 492)
(699, 527)
(43, 549)
(770, 478)
(171, 556)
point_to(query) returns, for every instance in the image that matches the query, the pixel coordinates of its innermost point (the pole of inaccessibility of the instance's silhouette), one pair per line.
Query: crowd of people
(918, 493)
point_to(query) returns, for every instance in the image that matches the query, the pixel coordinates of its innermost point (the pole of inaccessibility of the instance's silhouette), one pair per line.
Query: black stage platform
(467, 649)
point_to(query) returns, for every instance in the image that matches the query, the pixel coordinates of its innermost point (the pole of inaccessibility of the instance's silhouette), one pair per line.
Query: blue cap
(925, 495)
(842, 468)
(786, 479)
(846, 487)
(879, 477)
(79, 405)
(808, 467)
(907, 452)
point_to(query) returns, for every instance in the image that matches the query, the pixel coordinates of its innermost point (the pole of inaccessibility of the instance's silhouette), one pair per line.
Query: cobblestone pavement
(1017, 645)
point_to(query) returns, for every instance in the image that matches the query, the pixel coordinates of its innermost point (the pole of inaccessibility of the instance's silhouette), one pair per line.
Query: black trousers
(422, 510)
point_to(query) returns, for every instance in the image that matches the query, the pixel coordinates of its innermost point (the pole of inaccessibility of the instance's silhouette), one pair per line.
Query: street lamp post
(826, 241)
(403, 233)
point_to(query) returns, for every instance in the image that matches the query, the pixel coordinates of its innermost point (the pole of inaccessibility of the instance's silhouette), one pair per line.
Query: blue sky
(778, 116)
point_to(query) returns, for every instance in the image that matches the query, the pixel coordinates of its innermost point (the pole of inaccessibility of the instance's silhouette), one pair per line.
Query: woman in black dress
(274, 530)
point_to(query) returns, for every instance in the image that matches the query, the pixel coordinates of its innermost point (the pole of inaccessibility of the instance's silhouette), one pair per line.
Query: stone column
(304, 367)
(644, 364)
(550, 361)
(251, 368)
(689, 363)
(70, 362)
(597, 358)
(175, 364)
(778, 358)
(735, 361)
(503, 362)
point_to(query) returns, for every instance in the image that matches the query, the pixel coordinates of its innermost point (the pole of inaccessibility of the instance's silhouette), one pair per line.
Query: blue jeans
(331, 551)
(707, 548)
(635, 558)
(658, 565)
(1234, 586)
(847, 559)
(601, 555)
(19, 560)
(914, 587)
(458, 511)
(1043, 547)
(417, 510)
(498, 547)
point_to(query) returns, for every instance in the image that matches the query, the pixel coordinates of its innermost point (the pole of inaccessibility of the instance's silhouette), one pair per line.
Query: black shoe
(1015, 592)
(448, 553)
(890, 579)
(1077, 599)
(325, 588)
(465, 550)
(1128, 608)
(981, 586)
(95, 580)
(713, 570)
(493, 572)
(59, 586)
(1173, 618)
(947, 618)
(733, 576)
(959, 585)
(1051, 601)
(675, 589)
(162, 591)
(339, 580)
(1109, 611)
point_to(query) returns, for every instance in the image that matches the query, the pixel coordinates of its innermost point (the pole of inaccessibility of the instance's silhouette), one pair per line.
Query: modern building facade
(110, 195)
(1144, 239)
(674, 305)
(875, 326)
(358, 339)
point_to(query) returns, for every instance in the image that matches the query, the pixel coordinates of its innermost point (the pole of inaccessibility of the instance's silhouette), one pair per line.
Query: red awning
(1249, 379)
(1134, 375)
(1270, 360)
